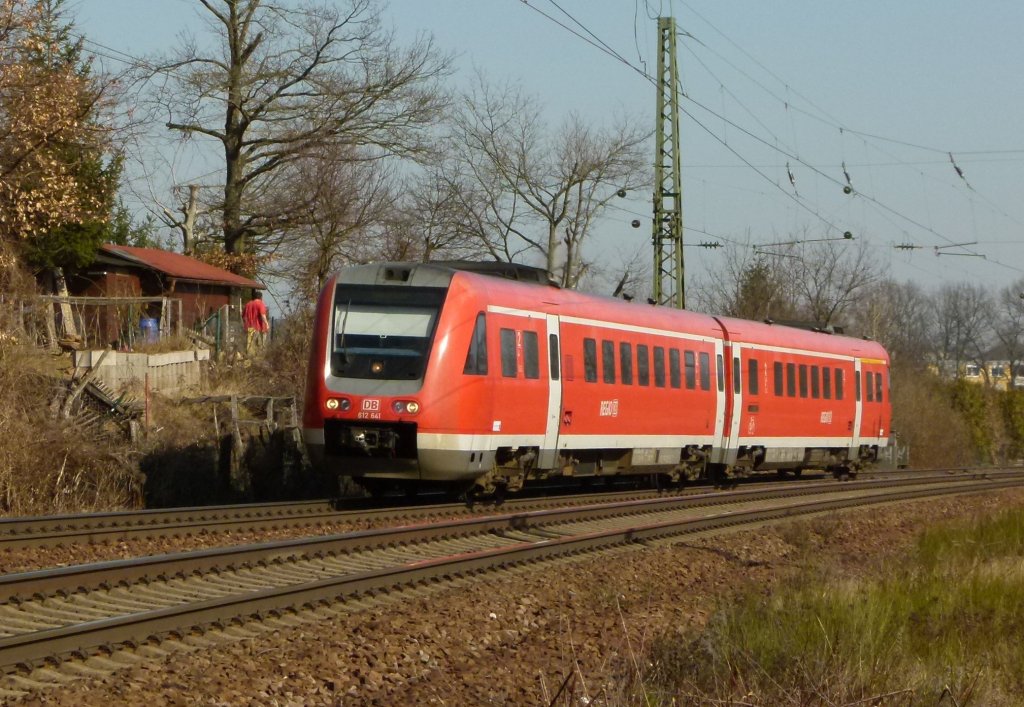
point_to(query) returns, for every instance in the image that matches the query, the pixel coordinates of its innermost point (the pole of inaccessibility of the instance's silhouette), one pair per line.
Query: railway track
(71, 530)
(48, 616)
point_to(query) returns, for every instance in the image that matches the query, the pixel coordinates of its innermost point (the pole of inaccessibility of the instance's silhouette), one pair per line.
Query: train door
(734, 401)
(858, 413)
(549, 449)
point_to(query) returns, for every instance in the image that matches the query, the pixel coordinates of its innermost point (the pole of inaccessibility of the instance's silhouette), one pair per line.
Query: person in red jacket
(256, 322)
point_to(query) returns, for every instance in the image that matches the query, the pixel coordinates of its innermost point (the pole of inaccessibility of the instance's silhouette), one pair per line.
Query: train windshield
(383, 333)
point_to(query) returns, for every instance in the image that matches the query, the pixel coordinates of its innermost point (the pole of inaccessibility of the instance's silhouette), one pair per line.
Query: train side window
(674, 374)
(791, 380)
(531, 355)
(608, 361)
(642, 371)
(826, 382)
(476, 358)
(839, 384)
(752, 367)
(626, 362)
(856, 385)
(691, 373)
(553, 355)
(590, 360)
(721, 373)
(878, 387)
(777, 371)
(508, 353)
(870, 386)
(803, 380)
(659, 366)
(705, 372)
(815, 384)
(736, 381)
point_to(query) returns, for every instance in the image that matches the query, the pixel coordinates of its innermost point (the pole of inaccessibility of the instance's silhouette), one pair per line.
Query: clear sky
(888, 88)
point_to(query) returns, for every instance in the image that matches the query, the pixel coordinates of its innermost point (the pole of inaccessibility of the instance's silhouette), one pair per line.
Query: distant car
(484, 375)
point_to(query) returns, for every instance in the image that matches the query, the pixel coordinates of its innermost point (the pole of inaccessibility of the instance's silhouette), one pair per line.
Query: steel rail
(27, 649)
(67, 530)
(72, 578)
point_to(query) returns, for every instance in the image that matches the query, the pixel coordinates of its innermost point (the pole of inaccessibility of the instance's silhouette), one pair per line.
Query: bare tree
(1009, 328)
(963, 321)
(284, 79)
(526, 191)
(831, 276)
(752, 284)
(900, 316)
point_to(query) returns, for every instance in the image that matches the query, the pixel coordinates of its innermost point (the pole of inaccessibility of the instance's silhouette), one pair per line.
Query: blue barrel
(150, 330)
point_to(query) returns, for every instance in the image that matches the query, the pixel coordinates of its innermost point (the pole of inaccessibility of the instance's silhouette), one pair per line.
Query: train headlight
(377, 367)
(342, 404)
(410, 407)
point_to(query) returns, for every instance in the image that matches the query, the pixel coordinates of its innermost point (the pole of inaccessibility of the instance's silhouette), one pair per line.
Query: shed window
(642, 362)
(590, 360)
(531, 355)
(626, 362)
(608, 361)
(508, 353)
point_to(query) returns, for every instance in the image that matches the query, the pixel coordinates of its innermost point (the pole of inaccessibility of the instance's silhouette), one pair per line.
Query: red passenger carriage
(484, 374)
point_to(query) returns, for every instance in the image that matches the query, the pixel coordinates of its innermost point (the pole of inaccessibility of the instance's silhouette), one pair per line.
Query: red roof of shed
(179, 266)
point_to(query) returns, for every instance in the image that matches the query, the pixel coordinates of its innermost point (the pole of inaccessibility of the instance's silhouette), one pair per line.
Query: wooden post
(147, 401)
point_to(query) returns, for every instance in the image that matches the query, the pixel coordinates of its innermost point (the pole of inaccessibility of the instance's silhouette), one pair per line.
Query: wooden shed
(125, 276)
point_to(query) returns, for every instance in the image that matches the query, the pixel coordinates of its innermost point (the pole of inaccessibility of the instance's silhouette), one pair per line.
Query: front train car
(385, 387)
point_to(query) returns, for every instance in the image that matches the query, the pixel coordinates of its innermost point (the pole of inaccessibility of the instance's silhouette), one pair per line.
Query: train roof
(529, 287)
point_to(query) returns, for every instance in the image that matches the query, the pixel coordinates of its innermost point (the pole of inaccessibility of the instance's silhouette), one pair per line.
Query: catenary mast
(669, 281)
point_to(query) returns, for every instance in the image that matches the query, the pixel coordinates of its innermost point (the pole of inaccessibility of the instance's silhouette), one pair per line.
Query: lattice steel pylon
(669, 281)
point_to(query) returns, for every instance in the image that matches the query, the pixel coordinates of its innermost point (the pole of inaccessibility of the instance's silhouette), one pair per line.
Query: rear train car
(483, 374)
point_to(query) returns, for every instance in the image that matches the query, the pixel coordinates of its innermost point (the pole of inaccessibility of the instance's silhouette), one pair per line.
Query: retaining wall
(168, 372)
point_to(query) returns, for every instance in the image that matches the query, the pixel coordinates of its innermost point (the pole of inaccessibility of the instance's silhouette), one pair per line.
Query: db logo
(371, 405)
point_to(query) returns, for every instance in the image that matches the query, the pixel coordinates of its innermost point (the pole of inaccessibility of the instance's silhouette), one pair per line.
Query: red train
(484, 374)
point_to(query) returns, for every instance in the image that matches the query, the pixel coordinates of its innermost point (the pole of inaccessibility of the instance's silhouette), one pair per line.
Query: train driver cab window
(642, 362)
(659, 366)
(691, 370)
(674, 374)
(383, 333)
(476, 358)
(590, 360)
(508, 353)
(878, 387)
(608, 361)
(752, 376)
(839, 384)
(705, 371)
(870, 387)
(531, 355)
(626, 362)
